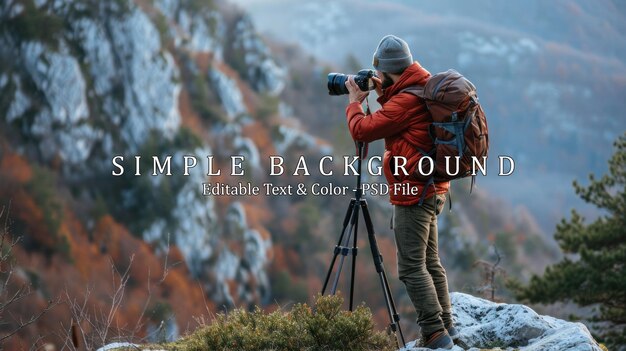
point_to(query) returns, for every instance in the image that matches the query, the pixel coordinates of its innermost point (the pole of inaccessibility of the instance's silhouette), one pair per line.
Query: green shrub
(268, 107)
(201, 101)
(198, 5)
(43, 187)
(34, 24)
(325, 327)
(285, 289)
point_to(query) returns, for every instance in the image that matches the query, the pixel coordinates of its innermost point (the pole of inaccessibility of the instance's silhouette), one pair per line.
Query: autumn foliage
(74, 259)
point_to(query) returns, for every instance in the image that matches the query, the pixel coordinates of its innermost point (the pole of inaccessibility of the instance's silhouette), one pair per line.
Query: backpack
(459, 125)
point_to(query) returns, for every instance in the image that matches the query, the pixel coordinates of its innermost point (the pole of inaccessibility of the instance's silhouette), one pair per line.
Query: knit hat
(392, 55)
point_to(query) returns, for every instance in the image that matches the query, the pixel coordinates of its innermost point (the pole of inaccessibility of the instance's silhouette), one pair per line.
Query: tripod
(352, 217)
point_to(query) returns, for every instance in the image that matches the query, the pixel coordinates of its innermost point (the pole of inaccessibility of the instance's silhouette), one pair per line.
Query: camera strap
(365, 145)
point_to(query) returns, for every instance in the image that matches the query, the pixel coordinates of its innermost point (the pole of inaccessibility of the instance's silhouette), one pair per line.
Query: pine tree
(592, 272)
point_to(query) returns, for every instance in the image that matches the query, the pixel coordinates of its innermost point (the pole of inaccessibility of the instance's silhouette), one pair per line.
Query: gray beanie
(392, 55)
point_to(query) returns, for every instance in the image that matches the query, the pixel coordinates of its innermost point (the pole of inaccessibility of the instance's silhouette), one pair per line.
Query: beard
(387, 81)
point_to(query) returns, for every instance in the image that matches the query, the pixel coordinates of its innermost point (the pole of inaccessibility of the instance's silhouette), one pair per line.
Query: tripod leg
(354, 253)
(344, 249)
(394, 318)
(346, 220)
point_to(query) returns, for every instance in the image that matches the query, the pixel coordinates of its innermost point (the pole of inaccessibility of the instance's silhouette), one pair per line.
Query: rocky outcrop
(257, 65)
(202, 30)
(104, 81)
(106, 98)
(229, 94)
(485, 325)
(150, 97)
(58, 76)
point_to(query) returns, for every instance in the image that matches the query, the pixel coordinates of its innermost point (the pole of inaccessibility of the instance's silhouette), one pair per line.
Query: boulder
(483, 324)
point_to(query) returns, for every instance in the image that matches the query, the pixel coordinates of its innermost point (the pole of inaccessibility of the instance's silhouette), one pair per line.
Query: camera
(337, 81)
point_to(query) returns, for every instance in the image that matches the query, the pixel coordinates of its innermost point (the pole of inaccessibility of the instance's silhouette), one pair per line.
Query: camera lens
(337, 84)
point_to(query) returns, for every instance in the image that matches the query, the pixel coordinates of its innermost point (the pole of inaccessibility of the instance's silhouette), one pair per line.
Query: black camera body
(337, 81)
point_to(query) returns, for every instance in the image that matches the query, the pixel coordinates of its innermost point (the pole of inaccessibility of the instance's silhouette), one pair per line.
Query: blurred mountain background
(551, 75)
(83, 81)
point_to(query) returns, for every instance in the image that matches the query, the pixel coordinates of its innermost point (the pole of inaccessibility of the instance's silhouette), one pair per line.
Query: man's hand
(379, 85)
(356, 94)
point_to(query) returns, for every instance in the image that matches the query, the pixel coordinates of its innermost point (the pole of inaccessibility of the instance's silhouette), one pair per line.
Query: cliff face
(84, 81)
(88, 80)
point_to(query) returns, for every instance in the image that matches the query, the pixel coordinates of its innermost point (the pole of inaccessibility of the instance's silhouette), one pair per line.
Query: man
(403, 121)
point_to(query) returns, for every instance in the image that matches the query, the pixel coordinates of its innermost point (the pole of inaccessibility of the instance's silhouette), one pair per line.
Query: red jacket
(403, 121)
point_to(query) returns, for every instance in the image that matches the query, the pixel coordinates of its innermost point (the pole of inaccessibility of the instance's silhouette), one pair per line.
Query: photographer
(404, 121)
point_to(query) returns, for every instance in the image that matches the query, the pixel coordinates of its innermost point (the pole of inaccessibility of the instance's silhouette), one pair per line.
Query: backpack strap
(457, 128)
(430, 182)
(416, 90)
(473, 182)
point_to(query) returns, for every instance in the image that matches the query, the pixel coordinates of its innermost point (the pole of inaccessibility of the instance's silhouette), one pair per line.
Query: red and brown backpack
(459, 126)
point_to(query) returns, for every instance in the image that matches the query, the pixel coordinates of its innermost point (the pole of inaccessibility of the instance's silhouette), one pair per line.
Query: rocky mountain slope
(84, 81)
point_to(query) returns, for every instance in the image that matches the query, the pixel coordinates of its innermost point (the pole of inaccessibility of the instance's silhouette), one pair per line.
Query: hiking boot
(438, 340)
(454, 334)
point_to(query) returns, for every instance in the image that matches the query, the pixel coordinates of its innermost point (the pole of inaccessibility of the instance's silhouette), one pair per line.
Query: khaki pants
(419, 267)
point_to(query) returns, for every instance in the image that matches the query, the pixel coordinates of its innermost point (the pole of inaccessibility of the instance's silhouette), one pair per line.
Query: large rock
(261, 70)
(484, 324)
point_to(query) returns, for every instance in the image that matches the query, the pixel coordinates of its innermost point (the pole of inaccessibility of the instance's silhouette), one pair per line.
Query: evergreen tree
(592, 272)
